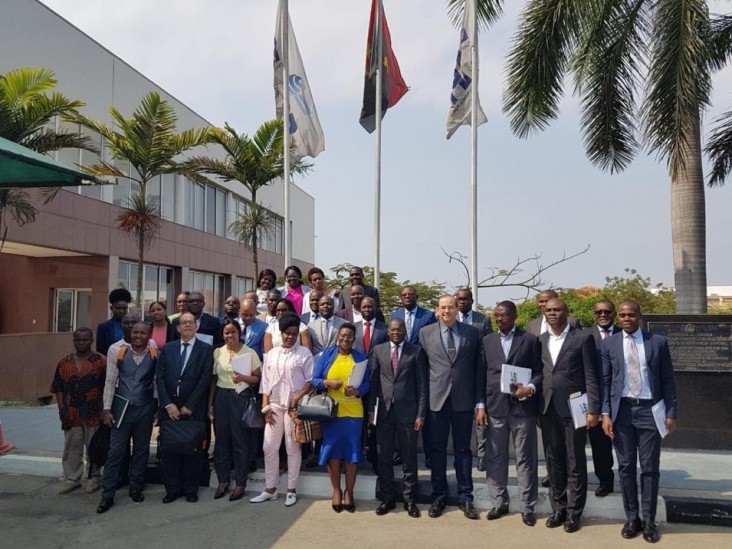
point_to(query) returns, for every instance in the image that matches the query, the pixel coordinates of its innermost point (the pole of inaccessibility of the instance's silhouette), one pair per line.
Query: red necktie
(367, 336)
(395, 359)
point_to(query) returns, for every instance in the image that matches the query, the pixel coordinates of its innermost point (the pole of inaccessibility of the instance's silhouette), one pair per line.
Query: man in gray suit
(511, 415)
(456, 396)
(399, 386)
(324, 330)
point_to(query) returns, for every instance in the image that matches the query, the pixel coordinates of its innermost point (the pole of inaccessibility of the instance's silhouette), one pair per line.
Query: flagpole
(377, 192)
(474, 159)
(286, 127)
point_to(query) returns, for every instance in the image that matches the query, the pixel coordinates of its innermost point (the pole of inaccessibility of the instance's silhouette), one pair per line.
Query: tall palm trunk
(688, 229)
(255, 253)
(140, 267)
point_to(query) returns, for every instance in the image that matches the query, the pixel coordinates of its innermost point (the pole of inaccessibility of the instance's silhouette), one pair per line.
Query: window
(167, 198)
(220, 212)
(243, 285)
(152, 192)
(157, 282)
(273, 240)
(210, 209)
(212, 287)
(71, 309)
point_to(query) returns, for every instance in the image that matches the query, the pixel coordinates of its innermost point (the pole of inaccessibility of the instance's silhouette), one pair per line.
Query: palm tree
(617, 50)
(26, 110)
(255, 162)
(149, 142)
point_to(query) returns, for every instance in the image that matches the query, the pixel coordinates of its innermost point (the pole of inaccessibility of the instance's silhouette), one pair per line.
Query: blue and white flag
(305, 130)
(462, 82)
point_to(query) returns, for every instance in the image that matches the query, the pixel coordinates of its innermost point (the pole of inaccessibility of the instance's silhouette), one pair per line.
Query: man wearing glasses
(181, 304)
(208, 328)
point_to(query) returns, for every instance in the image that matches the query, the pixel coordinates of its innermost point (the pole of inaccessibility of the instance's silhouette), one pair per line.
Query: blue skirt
(341, 440)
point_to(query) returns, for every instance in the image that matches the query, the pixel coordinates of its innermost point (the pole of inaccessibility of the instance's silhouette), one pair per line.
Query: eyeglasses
(602, 312)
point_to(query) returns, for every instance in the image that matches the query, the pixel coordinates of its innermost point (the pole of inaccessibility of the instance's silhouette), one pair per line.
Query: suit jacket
(105, 336)
(422, 317)
(316, 338)
(464, 379)
(368, 291)
(305, 318)
(378, 335)
(482, 322)
(189, 389)
(534, 325)
(255, 336)
(660, 372)
(525, 352)
(575, 370)
(597, 336)
(406, 392)
(208, 325)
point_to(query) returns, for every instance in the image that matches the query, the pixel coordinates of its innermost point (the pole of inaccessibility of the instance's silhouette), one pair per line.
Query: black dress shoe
(136, 494)
(481, 464)
(397, 460)
(497, 512)
(411, 508)
(572, 525)
(170, 498)
(192, 498)
(602, 491)
(469, 510)
(105, 505)
(528, 518)
(631, 528)
(545, 482)
(555, 520)
(650, 532)
(385, 507)
(436, 509)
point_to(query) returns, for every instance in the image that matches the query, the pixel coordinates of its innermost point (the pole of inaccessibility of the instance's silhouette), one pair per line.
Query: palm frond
(719, 149)
(17, 203)
(256, 220)
(47, 141)
(488, 12)
(141, 219)
(719, 41)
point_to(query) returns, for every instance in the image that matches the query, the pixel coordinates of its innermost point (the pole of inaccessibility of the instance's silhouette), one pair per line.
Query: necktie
(605, 332)
(324, 331)
(316, 316)
(183, 357)
(451, 352)
(464, 318)
(394, 359)
(367, 336)
(409, 323)
(634, 373)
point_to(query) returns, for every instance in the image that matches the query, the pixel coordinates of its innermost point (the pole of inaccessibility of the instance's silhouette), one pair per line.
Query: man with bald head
(539, 325)
(352, 312)
(252, 328)
(312, 312)
(569, 359)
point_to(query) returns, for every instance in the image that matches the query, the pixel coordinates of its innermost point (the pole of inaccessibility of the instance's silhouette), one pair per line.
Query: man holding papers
(512, 409)
(637, 376)
(569, 359)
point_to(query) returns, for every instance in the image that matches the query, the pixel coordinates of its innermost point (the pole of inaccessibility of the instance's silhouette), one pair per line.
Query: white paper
(659, 414)
(579, 408)
(356, 377)
(242, 364)
(205, 338)
(514, 375)
(376, 412)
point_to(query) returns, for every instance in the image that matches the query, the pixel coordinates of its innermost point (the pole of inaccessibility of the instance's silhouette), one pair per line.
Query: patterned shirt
(82, 390)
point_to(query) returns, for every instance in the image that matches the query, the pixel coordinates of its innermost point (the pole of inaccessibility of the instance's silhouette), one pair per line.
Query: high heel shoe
(338, 507)
(221, 492)
(238, 493)
(350, 507)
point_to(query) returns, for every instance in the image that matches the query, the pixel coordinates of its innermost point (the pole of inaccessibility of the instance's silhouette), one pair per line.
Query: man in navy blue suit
(111, 330)
(252, 328)
(206, 324)
(415, 318)
(637, 374)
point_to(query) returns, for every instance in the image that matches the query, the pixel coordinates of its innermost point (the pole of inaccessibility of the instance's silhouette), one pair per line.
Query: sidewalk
(696, 486)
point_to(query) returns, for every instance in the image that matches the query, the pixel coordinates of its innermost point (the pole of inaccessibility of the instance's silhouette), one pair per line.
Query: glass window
(220, 212)
(121, 191)
(210, 224)
(167, 199)
(199, 203)
(71, 309)
(123, 275)
(243, 285)
(153, 192)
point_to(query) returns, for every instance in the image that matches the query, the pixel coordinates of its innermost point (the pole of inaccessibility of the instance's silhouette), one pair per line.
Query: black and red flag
(378, 50)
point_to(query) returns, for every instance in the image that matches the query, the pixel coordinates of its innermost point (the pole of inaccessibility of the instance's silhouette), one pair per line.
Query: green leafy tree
(617, 50)
(151, 144)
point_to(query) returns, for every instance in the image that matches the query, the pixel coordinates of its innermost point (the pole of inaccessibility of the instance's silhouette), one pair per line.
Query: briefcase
(317, 407)
(183, 437)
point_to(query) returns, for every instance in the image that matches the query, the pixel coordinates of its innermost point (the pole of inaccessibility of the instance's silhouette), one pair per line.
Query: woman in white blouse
(273, 337)
(287, 373)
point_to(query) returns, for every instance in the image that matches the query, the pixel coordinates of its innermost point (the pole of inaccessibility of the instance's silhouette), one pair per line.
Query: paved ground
(33, 515)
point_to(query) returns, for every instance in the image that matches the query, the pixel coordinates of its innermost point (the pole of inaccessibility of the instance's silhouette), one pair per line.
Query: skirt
(341, 440)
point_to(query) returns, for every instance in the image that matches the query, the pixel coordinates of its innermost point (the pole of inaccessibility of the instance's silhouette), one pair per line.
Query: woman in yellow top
(235, 445)
(342, 435)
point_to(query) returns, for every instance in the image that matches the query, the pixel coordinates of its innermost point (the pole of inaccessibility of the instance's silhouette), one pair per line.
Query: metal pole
(474, 160)
(286, 124)
(377, 192)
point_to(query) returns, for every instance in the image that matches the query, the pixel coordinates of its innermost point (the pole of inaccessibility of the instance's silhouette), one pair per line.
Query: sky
(536, 196)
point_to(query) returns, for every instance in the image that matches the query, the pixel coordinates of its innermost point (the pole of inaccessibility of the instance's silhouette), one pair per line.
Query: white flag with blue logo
(462, 82)
(305, 129)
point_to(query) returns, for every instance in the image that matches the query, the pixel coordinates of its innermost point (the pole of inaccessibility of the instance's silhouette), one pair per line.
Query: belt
(636, 401)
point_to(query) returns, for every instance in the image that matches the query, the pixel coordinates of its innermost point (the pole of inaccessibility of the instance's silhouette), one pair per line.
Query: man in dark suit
(538, 325)
(415, 318)
(252, 329)
(273, 296)
(183, 378)
(511, 415)
(206, 324)
(569, 360)
(352, 312)
(370, 331)
(602, 445)
(467, 315)
(231, 310)
(399, 386)
(312, 313)
(110, 330)
(324, 330)
(355, 276)
(637, 374)
(456, 396)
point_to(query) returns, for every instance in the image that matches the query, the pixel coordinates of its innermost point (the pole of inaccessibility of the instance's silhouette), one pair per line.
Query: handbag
(99, 446)
(184, 437)
(317, 407)
(306, 431)
(251, 416)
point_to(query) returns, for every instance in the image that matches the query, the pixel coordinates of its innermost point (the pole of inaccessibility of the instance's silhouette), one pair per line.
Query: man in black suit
(183, 378)
(511, 415)
(313, 313)
(569, 359)
(464, 297)
(110, 330)
(231, 310)
(355, 276)
(205, 323)
(602, 445)
(399, 386)
(370, 331)
(637, 374)
(456, 397)
(539, 325)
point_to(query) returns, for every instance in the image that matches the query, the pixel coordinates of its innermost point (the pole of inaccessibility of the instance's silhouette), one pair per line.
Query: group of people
(436, 373)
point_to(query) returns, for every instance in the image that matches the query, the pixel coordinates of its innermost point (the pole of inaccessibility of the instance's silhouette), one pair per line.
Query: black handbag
(251, 416)
(184, 437)
(99, 446)
(317, 407)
